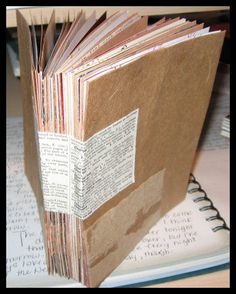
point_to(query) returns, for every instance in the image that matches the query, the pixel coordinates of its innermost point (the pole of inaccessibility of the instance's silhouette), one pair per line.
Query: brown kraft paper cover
(172, 88)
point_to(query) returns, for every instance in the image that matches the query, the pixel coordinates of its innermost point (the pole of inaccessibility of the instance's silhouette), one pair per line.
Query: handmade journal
(113, 110)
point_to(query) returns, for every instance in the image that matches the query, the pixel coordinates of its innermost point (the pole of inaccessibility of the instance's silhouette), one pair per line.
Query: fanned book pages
(191, 237)
(113, 109)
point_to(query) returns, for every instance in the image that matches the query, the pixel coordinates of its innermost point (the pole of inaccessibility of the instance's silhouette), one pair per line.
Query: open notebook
(113, 109)
(192, 236)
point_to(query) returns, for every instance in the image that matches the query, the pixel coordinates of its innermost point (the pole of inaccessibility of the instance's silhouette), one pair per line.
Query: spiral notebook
(191, 237)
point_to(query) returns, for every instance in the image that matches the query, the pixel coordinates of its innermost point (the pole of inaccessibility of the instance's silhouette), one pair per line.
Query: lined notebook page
(183, 233)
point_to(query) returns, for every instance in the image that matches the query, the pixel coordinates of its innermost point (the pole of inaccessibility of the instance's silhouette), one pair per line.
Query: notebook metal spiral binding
(204, 197)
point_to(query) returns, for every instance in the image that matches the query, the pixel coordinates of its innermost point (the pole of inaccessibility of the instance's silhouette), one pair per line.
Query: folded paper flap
(105, 251)
(171, 87)
(30, 148)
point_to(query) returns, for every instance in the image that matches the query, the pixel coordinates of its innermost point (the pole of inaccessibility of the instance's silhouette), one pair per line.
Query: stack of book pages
(113, 110)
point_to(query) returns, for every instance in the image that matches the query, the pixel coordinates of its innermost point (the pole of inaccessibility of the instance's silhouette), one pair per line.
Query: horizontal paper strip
(78, 177)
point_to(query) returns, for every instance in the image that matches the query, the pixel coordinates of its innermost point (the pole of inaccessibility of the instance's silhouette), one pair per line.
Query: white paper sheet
(183, 233)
